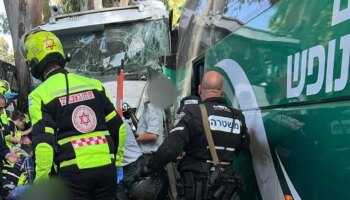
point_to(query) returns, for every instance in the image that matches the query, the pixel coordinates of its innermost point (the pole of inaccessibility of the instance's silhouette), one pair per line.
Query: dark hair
(29, 148)
(2, 97)
(18, 115)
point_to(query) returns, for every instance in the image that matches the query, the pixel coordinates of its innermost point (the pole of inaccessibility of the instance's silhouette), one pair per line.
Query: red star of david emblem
(49, 43)
(84, 119)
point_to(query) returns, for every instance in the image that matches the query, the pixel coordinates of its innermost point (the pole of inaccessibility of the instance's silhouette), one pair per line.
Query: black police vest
(227, 126)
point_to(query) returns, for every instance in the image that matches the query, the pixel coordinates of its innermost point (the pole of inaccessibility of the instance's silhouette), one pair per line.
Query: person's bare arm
(27, 132)
(15, 140)
(147, 137)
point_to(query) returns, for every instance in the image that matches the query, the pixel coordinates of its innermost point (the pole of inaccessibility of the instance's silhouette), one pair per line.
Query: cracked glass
(100, 53)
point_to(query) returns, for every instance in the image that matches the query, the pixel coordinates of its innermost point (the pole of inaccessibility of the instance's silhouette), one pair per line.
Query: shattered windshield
(99, 53)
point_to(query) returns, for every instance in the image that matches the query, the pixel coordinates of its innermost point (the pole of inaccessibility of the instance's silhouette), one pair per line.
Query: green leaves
(4, 24)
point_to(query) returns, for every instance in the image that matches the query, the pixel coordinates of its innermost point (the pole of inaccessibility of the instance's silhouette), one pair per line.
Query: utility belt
(132, 165)
(198, 167)
(222, 183)
(193, 186)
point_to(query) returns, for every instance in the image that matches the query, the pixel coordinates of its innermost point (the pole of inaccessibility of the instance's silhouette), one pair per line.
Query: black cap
(187, 101)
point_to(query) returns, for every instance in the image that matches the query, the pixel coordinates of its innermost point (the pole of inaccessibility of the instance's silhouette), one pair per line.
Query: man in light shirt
(150, 130)
(132, 153)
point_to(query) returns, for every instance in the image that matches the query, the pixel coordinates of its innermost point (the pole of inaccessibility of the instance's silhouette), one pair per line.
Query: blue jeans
(18, 192)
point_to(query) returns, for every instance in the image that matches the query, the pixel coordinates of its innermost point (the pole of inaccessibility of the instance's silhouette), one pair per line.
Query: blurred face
(20, 123)
(2, 106)
(26, 140)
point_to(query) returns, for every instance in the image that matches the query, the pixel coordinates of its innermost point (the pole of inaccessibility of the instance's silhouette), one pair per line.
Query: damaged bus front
(100, 42)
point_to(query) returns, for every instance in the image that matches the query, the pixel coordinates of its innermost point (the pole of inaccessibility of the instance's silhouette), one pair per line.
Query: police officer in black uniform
(229, 133)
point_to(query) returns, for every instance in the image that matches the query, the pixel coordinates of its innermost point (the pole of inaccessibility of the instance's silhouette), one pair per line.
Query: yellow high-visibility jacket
(85, 133)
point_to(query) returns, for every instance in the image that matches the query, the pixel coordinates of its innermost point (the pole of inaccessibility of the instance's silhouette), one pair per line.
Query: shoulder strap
(208, 134)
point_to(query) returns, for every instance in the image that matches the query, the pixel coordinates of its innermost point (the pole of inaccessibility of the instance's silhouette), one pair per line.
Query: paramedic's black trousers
(92, 184)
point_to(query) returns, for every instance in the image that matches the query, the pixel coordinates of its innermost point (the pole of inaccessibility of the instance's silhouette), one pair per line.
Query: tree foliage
(6, 54)
(69, 6)
(46, 11)
(107, 3)
(22, 16)
(176, 6)
(4, 24)
(292, 17)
